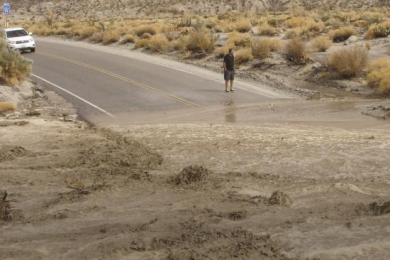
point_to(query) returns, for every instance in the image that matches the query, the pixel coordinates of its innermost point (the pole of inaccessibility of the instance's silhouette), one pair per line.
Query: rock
(352, 39)
(280, 198)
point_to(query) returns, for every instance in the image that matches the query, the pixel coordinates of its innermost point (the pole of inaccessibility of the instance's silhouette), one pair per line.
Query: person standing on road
(229, 70)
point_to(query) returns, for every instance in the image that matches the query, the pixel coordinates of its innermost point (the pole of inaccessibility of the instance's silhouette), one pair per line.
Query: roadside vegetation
(14, 69)
(296, 35)
(379, 75)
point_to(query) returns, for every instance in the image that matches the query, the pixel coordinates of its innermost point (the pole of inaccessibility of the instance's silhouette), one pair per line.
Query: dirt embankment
(70, 191)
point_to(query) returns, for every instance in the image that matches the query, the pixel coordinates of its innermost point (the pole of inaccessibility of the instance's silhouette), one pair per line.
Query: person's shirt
(229, 61)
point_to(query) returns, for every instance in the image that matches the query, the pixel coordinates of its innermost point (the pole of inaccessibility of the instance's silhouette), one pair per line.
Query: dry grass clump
(200, 42)
(261, 48)
(243, 55)
(127, 39)
(222, 51)
(348, 62)
(146, 36)
(110, 37)
(242, 25)
(96, 37)
(267, 30)
(143, 29)
(295, 51)
(379, 75)
(297, 22)
(13, 67)
(372, 17)
(239, 40)
(156, 43)
(7, 107)
(321, 43)
(341, 34)
(378, 30)
(82, 32)
(41, 30)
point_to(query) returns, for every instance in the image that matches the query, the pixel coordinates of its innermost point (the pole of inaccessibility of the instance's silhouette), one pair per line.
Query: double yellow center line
(124, 79)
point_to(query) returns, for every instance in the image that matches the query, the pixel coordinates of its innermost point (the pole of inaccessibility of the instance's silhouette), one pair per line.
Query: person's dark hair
(230, 50)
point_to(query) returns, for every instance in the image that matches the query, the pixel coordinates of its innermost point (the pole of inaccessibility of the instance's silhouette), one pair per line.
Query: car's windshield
(16, 33)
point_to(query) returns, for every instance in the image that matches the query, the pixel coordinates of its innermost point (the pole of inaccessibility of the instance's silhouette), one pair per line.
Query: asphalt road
(112, 84)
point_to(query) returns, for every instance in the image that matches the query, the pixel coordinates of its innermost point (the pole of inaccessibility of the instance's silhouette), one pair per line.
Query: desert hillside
(132, 8)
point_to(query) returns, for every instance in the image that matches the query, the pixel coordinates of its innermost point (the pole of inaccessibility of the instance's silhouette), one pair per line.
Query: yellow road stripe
(122, 78)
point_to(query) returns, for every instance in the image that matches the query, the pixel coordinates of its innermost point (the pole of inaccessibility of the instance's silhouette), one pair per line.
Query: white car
(19, 39)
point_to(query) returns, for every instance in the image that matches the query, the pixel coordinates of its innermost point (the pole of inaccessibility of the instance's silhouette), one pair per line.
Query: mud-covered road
(317, 189)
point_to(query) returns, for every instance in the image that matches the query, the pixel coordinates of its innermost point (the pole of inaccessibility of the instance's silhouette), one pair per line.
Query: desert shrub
(341, 34)
(185, 22)
(261, 48)
(200, 42)
(222, 51)
(127, 39)
(13, 67)
(378, 76)
(273, 21)
(63, 31)
(267, 30)
(173, 35)
(239, 39)
(157, 43)
(295, 51)
(97, 37)
(210, 24)
(141, 43)
(6, 107)
(314, 26)
(140, 30)
(243, 25)
(275, 44)
(146, 36)
(321, 43)
(373, 17)
(296, 22)
(41, 30)
(348, 62)
(110, 36)
(83, 31)
(378, 30)
(243, 55)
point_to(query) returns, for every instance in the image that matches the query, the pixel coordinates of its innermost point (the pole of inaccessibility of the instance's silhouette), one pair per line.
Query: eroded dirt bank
(189, 191)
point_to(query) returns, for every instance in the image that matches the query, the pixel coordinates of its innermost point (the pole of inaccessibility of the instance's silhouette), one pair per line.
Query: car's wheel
(33, 50)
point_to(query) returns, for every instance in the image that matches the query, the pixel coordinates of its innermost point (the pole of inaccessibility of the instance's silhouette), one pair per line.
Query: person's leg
(226, 78)
(231, 85)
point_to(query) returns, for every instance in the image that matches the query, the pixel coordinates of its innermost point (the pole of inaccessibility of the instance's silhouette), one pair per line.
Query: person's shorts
(229, 75)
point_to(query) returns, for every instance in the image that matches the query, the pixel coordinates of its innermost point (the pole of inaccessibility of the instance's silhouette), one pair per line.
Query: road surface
(112, 84)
